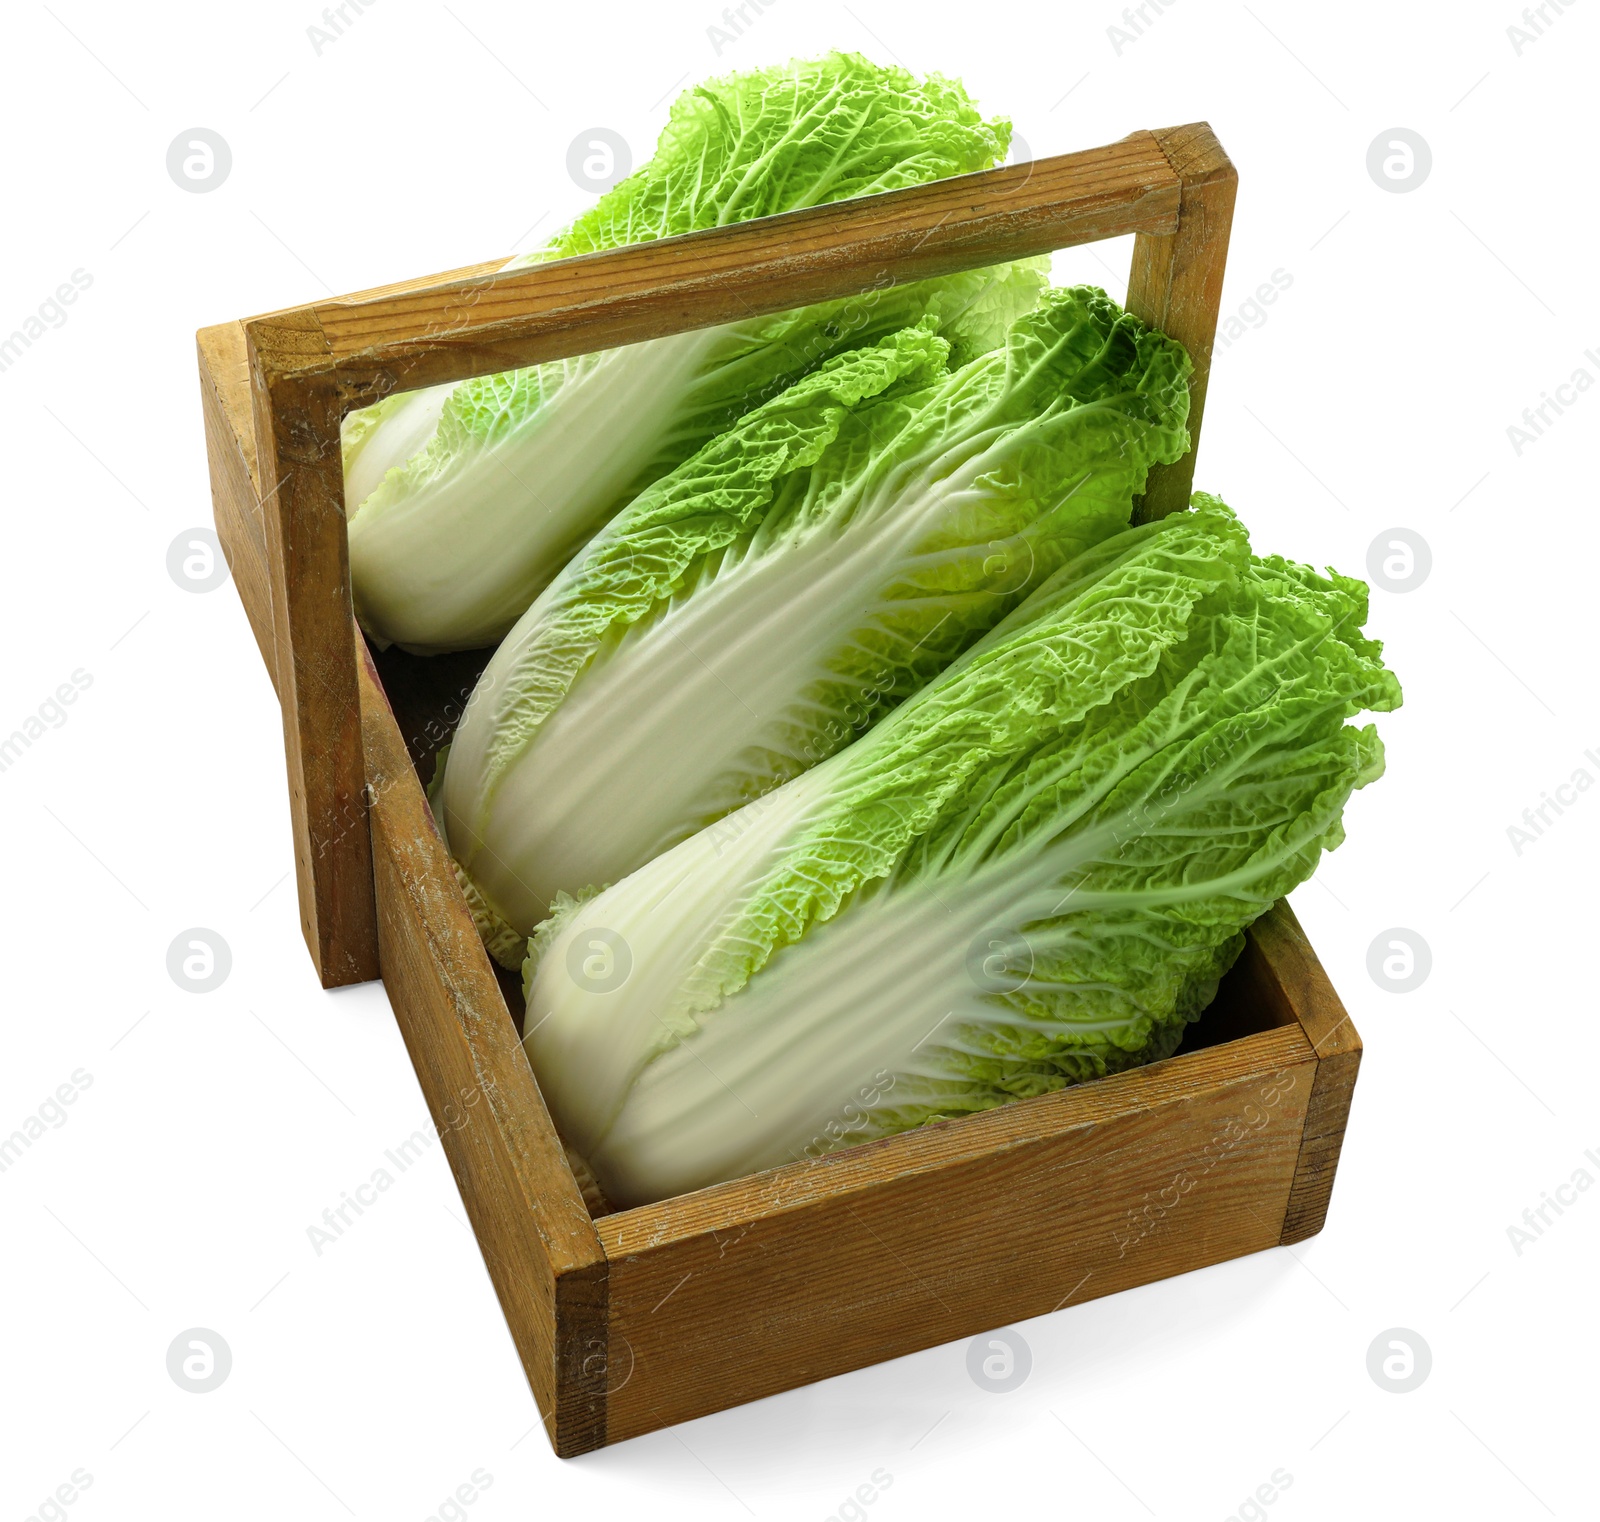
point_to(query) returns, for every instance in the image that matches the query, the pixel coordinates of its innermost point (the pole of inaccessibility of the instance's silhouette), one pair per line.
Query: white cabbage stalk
(456, 536)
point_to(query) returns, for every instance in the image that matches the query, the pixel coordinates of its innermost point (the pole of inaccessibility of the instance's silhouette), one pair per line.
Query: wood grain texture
(807, 1271)
(538, 1241)
(301, 476)
(499, 321)
(235, 500)
(1305, 987)
(1176, 285)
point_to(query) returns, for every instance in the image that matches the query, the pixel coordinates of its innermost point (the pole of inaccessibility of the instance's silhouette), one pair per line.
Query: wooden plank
(334, 783)
(302, 493)
(499, 321)
(464, 273)
(1306, 988)
(810, 1270)
(540, 1246)
(235, 502)
(1176, 285)
(225, 367)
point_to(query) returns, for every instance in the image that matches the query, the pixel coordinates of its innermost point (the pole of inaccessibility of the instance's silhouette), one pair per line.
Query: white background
(374, 1379)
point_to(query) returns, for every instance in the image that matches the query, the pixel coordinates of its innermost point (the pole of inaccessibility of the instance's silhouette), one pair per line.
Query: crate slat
(541, 1248)
(765, 1283)
(501, 321)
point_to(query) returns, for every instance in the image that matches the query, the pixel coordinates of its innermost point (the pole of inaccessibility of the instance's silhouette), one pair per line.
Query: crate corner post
(1176, 285)
(297, 408)
(1336, 1045)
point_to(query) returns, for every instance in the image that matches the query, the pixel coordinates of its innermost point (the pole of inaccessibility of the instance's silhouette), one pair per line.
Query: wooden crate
(634, 1320)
